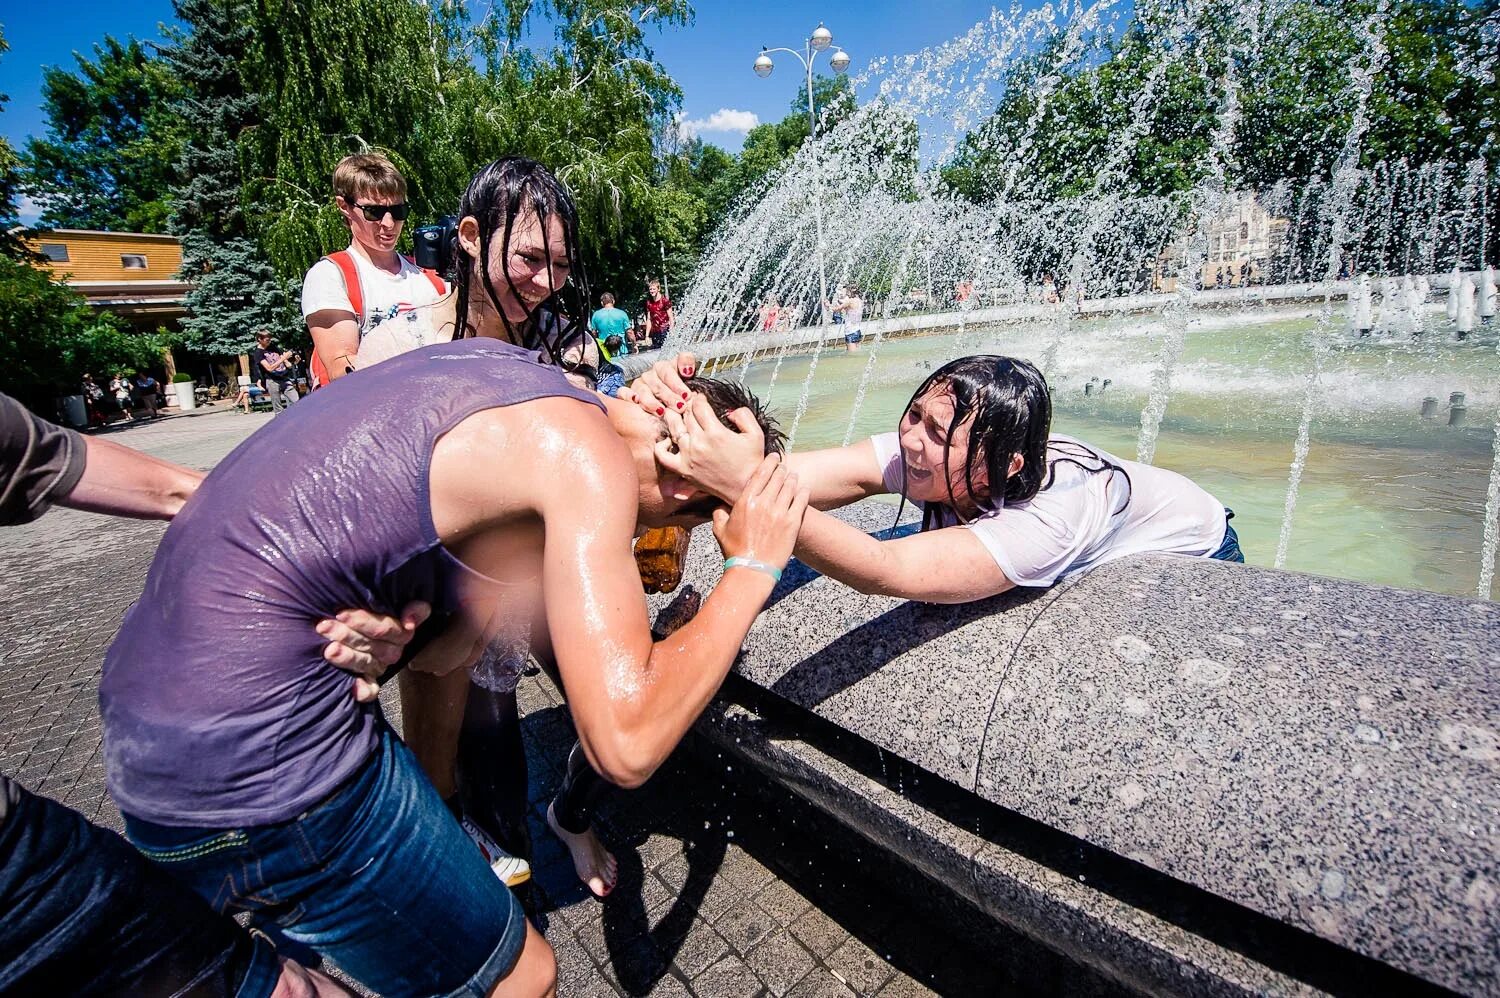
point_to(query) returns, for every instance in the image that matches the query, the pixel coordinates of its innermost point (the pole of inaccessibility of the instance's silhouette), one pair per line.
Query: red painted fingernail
(660, 411)
(690, 372)
(679, 405)
(684, 395)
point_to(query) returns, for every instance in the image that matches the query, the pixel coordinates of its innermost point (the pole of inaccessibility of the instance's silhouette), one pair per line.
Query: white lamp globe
(840, 61)
(763, 66)
(821, 38)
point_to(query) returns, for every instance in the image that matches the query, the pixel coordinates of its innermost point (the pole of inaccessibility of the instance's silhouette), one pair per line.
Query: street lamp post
(821, 40)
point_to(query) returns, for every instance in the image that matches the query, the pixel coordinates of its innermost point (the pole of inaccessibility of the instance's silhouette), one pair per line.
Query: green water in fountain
(1387, 497)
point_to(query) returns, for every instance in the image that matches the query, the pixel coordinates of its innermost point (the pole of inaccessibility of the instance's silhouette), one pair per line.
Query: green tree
(595, 107)
(50, 336)
(112, 141)
(235, 289)
(335, 77)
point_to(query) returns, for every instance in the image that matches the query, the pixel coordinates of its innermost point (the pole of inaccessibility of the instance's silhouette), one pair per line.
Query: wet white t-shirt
(385, 294)
(1077, 521)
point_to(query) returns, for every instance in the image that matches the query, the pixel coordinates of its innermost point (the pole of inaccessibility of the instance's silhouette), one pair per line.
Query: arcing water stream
(1183, 320)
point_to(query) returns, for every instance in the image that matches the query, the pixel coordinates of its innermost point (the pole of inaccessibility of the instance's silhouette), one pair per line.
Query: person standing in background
(346, 293)
(660, 315)
(270, 365)
(610, 321)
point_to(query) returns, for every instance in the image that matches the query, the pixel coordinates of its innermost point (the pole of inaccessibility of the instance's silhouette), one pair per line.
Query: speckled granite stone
(1320, 752)
(917, 679)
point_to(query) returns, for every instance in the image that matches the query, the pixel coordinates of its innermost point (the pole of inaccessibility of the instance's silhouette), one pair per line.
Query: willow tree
(594, 106)
(341, 76)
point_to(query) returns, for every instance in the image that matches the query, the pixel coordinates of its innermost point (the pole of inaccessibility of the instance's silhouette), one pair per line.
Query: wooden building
(130, 274)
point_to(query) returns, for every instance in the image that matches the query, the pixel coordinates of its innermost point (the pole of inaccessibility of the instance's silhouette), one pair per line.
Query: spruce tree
(235, 289)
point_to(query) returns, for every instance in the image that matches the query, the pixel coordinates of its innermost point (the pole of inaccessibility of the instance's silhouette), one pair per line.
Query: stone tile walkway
(729, 887)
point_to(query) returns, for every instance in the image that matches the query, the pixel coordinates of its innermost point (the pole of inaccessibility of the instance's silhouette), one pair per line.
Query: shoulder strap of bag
(344, 261)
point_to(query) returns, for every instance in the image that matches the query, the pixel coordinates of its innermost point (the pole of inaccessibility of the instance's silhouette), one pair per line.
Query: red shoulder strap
(344, 261)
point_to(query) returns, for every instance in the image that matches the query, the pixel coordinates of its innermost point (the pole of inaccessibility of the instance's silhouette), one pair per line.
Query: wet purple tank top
(218, 707)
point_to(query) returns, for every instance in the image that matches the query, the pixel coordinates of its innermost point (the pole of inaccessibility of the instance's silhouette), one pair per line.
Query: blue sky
(710, 60)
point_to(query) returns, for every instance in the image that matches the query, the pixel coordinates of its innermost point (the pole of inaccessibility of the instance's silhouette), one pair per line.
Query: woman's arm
(948, 565)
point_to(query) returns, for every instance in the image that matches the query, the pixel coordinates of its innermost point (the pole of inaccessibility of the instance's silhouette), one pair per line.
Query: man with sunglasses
(348, 292)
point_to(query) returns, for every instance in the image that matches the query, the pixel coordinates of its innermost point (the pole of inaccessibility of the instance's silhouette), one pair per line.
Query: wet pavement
(729, 886)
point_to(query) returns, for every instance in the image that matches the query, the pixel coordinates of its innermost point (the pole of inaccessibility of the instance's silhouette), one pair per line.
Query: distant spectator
(273, 367)
(770, 315)
(660, 315)
(93, 400)
(638, 335)
(146, 393)
(119, 387)
(347, 293)
(610, 322)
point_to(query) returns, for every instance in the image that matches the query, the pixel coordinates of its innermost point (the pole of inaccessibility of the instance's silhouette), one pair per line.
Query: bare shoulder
(519, 458)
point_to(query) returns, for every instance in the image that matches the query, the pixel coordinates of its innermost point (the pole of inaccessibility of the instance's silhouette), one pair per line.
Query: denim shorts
(82, 914)
(378, 877)
(1229, 549)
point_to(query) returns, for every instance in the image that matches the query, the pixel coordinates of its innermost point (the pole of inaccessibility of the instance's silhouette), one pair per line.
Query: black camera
(437, 245)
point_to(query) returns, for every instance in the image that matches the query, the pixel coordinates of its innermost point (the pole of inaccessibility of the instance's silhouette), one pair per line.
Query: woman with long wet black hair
(531, 289)
(516, 275)
(1005, 501)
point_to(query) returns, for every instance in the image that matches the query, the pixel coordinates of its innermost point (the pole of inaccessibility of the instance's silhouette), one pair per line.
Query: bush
(181, 377)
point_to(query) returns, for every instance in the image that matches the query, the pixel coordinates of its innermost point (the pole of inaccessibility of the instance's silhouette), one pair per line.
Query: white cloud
(28, 209)
(724, 120)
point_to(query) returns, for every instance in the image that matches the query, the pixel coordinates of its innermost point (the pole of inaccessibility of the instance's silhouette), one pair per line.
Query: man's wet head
(667, 499)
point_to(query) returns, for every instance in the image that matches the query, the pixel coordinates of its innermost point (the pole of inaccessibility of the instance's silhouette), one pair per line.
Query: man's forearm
(125, 482)
(683, 673)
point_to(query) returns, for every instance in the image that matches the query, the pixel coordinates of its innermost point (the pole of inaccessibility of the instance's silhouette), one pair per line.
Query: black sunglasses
(375, 212)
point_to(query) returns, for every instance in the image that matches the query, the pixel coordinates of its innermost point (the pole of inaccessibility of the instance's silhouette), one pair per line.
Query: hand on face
(710, 455)
(766, 517)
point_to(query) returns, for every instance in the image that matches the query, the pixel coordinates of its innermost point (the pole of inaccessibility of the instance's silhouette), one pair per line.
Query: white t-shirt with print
(1076, 522)
(385, 294)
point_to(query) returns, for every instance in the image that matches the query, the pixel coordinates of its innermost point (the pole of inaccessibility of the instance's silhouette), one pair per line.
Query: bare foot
(594, 863)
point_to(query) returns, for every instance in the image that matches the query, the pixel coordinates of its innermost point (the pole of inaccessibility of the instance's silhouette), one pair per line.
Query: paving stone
(729, 978)
(782, 901)
(902, 986)
(819, 933)
(744, 925)
(669, 987)
(576, 973)
(700, 949)
(861, 966)
(780, 962)
(820, 984)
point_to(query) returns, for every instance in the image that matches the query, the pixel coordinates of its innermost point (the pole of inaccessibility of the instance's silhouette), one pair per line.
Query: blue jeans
(378, 877)
(82, 914)
(1229, 550)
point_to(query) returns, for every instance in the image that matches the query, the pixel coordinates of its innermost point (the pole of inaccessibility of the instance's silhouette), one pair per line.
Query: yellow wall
(95, 256)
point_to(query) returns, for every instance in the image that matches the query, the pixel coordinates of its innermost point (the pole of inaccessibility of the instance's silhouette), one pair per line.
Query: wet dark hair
(725, 397)
(1011, 408)
(496, 197)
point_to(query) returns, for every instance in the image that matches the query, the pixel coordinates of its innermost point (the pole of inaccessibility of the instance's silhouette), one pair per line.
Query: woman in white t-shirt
(1005, 502)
